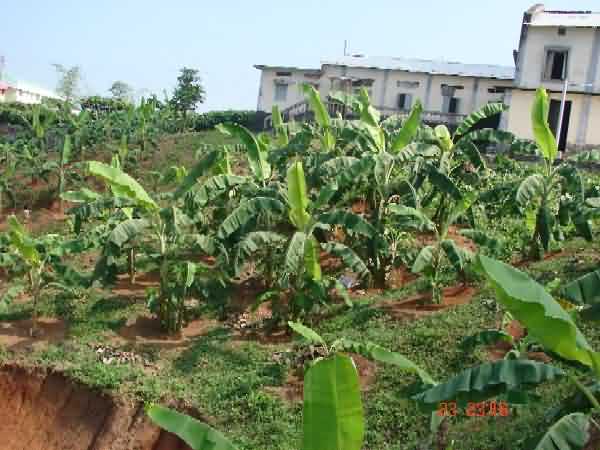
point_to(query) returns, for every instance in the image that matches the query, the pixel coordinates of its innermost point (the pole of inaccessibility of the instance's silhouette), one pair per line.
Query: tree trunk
(131, 265)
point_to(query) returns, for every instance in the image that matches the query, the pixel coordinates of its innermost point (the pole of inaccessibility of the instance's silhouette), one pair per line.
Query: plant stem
(589, 395)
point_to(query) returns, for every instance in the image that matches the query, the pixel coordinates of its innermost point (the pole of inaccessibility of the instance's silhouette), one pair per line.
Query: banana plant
(553, 188)
(554, 329)
(431, 258)
(163, 230)
(333, 416)
(379, 171)
(65, 156)
(293, 210)
(7, 187)
(36, 255)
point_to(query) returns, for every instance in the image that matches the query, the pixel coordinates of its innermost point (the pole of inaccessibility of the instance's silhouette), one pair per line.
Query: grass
(226, 379)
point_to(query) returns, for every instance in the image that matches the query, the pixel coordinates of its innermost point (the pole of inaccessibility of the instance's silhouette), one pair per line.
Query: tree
(121, 91)
(68, 82)
(189, 91)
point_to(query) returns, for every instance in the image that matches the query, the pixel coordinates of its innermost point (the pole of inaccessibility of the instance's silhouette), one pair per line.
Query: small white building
(23, 92)
(447, 90)
(558, 50)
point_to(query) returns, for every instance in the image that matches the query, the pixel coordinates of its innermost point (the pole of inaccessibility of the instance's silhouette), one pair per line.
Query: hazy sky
(146, 42)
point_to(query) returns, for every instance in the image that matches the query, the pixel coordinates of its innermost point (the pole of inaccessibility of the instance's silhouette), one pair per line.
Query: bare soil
(16, 335)
(419, 305)
(145, 329)
(292, 390)
(47, 411)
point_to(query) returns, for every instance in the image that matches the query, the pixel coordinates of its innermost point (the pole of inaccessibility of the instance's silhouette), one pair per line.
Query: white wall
(532, 60)
(266, 98)
(384, 91)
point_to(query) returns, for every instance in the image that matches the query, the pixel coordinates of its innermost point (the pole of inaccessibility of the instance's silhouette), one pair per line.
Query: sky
(146, 42)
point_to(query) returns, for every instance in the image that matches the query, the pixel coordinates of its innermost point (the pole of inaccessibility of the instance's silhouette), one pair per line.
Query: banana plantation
(339, 284)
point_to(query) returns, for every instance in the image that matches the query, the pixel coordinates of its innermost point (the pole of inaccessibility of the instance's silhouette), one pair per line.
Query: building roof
(14, 83)
(265, 66)
(542, 18)
(425, 66)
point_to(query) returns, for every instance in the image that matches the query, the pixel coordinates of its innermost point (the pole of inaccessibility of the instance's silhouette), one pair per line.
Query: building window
(281, 91)
(450, 105)
(497, 90)
(283, 74)
(562, 31)
(556, 65)
(404, 101)
(453, 107)
(407, 84)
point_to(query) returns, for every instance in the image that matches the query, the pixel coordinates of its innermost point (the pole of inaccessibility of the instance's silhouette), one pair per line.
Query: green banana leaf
(247, 211)
(530, 188)
(257, 153)
(279, 127)
(489, 110)
(297, 196)
(307, 333)
(584, 290)
(423, 260)
(205, 163)
(348, 257)
(442, 182)
(66, 151)
(487, 381)
(22, 242)
(544, 137)
(458, 257)
(571, 432)
(411, 218)
(122, 184)
(485, 338)
(543, 316)
(349, 221)
(194, 433)
(380, 354)
(84, 195)
(314, 99)
(409, 128)
(311, 258)
(333, 415)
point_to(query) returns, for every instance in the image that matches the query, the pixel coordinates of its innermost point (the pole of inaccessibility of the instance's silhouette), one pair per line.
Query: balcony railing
(300, 112)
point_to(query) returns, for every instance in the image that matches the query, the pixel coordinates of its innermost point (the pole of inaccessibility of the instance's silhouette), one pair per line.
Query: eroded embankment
(42, 410)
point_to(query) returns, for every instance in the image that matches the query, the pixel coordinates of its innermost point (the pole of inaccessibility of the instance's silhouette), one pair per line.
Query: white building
(23, 92)
(559, 49)
(556, 48)
(448, 90)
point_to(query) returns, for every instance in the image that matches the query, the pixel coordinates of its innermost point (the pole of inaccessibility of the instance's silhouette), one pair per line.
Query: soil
(399, 277)
(293, 389)
(453, 234)
(146, 329)
(517, 331)
(124, 288)
(47, 411)
(524, 262)
(39, 219)
(418, 306)
(16, 335)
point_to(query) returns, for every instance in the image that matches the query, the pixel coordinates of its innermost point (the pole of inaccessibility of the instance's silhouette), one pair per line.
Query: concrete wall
(266, 96)
(385, 89)
(593, 128)
(583, 49)
(583, 127)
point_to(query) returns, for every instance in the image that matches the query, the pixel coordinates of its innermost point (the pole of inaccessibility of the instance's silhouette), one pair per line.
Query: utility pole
(345, 47)
(561, 115)
(2, 62)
